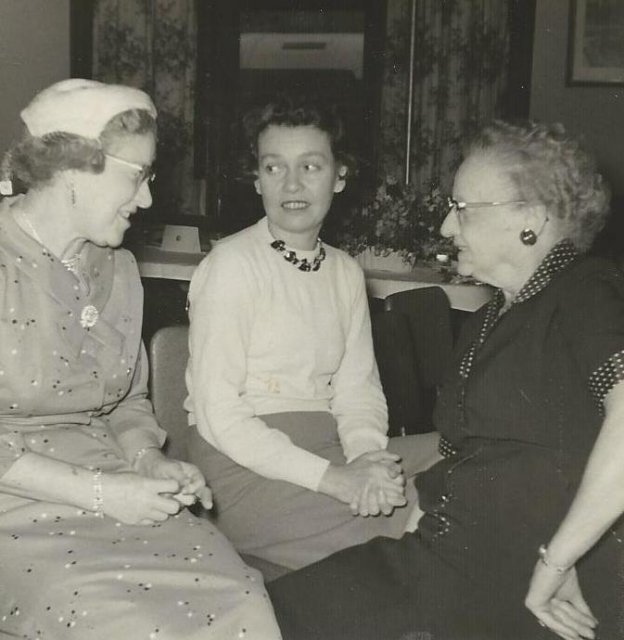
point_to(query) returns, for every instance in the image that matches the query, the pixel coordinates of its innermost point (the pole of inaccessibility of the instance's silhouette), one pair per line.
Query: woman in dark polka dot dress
(521, 536)
(96, 542)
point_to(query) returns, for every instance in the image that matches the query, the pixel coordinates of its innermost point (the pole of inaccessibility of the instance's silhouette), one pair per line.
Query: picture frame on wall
(596, 42)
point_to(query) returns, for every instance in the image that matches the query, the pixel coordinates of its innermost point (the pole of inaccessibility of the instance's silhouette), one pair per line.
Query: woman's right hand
(370, 484)
(134, 499)
(557, 602)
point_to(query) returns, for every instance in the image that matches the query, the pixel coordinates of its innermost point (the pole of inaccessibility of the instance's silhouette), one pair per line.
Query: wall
(597, 113)
(34, 52)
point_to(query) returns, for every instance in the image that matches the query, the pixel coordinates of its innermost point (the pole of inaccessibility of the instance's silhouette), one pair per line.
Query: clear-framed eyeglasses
(145, 172)
(460, 208)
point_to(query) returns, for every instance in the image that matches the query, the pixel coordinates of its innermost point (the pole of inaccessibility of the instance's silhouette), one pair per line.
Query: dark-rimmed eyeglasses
(459, 207)
(145, 173)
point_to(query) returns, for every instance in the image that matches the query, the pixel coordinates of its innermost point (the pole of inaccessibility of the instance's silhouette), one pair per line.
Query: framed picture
(596, 42)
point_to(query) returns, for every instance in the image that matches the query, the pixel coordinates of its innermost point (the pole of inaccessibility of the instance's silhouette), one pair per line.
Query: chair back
(168, 355)
(414, 346)
(428, 314)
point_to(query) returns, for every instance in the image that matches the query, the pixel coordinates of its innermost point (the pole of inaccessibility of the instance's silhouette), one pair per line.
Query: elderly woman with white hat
(97, 542)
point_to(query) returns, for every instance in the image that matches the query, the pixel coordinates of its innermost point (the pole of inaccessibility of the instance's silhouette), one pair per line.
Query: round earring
(528, 237)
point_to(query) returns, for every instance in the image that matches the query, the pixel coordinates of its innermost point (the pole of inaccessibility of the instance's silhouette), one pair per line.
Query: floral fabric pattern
(461, 55)
(152, 45)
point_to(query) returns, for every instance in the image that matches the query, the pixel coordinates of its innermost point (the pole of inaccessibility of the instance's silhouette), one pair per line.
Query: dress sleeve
(358, 403)
(223, 296)
(593, 322)
(133, 420)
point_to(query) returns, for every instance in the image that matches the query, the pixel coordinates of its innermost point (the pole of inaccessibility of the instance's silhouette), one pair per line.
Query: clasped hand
(557, 602)
(158, 489)
(371, 484)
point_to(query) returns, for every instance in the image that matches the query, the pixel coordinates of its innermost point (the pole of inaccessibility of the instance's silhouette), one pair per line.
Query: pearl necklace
(71, 264)
(31, 229)
(301, 263)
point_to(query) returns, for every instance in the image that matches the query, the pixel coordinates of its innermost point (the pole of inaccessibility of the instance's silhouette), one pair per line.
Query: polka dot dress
(72, 576)
(72, 388)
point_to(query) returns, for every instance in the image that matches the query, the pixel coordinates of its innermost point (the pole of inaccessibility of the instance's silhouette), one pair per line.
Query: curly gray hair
(549, 167)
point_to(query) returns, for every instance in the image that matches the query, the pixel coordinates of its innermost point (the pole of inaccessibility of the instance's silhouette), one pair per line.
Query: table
(463, 297)
(173, 265)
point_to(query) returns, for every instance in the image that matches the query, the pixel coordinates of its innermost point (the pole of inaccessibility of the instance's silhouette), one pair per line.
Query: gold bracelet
(98, 500)
(557, 568)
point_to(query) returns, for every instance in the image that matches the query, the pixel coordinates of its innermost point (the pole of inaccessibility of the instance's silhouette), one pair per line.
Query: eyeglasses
(460, 207)
(146, 172)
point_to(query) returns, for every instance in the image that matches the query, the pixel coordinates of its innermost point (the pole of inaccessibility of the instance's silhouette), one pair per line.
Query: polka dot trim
(491, 316)
(445, 448)
(560, 256)
(606, 377)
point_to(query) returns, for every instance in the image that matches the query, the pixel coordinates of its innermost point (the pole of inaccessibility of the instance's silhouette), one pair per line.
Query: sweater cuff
(315, 481)
(361, 443)
(303, 468)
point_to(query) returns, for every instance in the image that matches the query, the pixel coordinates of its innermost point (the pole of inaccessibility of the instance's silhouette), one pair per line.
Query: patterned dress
(73, 387)
(519, 416)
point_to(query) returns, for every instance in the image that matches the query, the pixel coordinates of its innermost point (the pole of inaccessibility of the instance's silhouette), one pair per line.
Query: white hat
(83, 107)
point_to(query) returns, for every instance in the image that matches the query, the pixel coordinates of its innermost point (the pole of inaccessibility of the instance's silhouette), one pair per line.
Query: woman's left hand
(557, 602)
(374, 498)
(154, 464)
(374, 501)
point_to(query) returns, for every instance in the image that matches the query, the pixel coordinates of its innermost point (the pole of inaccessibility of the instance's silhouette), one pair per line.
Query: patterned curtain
(461, 56)
(152, 44)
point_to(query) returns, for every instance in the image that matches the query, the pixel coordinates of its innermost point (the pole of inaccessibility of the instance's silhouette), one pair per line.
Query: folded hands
(372, 484)
(158, 489)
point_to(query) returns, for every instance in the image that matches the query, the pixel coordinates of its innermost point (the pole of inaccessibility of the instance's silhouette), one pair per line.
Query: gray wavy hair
(549, 167)
(35, 161)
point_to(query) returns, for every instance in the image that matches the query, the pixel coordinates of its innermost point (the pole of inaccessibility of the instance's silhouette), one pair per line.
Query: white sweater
(266, 337)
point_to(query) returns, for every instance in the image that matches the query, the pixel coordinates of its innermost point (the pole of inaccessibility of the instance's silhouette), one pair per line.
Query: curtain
(461, 56)
(152, 44)
(460, 76)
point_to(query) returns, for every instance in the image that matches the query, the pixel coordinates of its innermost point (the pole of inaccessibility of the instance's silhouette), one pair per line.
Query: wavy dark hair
(293, 110)
(34, 161)
(550, 167)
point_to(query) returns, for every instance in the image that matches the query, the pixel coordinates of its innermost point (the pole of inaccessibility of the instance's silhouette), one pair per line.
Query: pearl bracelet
(98, 501)
(557, 568)
(141, 452)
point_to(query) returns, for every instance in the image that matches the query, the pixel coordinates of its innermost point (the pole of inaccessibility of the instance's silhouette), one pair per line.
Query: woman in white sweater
(288, 418)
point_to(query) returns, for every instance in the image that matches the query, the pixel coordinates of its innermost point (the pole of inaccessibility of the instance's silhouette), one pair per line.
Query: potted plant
(397, 223)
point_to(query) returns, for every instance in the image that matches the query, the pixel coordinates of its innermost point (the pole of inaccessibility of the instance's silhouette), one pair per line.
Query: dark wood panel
(81, 38)
(522, 26)
(219, 109)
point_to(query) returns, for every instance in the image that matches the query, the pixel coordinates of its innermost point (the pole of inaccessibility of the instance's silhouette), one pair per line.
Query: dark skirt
(465, 573)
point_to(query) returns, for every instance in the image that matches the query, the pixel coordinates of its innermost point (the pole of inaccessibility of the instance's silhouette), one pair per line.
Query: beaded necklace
(301, 263)
(31, 228)
(89, 314)
(71, 264)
